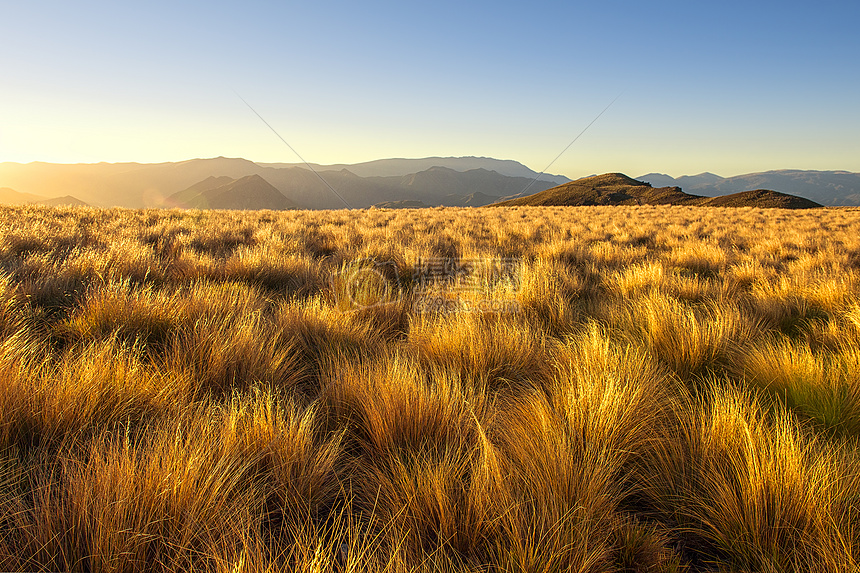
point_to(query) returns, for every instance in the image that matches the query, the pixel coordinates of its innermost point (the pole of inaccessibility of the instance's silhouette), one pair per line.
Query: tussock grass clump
(222, 243)
(497, 352)
(117, 509)
(852, 319)
(298, 464)
(526, 389)
(699, 258)
(323, 333)
(133, 316)
(821, 386)
(11, 317)
(224, 353)
(280, 274)
(548, 294)
(754, 490)
(365, 283)
(636, 280)
(228, 342)
(786, 307)
(571, 455)
(424, 471)
(103, 387)
(691, 340)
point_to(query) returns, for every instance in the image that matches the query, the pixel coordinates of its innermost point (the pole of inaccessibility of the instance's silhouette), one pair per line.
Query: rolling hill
(607, 189)
(619, 189)
(762, 198)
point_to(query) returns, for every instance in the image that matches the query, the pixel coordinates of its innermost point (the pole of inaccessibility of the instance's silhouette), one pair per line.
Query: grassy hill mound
(606, 189)
(619, 189)
(764, 198)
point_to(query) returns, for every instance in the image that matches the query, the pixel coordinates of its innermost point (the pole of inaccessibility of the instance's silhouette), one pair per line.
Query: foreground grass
(529, 389)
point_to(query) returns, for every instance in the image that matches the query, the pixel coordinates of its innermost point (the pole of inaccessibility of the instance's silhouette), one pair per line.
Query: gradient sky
(727, 87)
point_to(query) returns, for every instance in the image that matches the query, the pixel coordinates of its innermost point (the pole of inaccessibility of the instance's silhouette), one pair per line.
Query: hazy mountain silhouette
(247, 193)
(150, 185)
(433, 186)
(457, 182)
(619, 189)
(189, 195)
(12, 197)
(443, 186)
(400, 167)
(476, 199)
(825, 187)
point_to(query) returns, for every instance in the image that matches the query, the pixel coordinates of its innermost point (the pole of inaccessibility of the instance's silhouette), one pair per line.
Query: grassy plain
(594, 389)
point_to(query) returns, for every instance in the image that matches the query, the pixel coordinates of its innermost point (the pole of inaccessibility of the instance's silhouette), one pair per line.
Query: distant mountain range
(400, 167)
(436, 181)
(826, 187)
(619, 189)
(448, 181)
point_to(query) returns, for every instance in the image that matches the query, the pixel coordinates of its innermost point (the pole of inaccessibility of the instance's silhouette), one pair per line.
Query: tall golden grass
(523, 389)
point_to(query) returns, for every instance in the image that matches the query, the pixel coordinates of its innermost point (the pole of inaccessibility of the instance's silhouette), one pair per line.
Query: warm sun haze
(600, 389)
(727, 87)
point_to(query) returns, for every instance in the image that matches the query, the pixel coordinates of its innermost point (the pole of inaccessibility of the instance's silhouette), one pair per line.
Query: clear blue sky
(728, 87)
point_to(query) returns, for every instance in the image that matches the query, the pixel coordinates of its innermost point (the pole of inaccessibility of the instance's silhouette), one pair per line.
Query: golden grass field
(571, 389)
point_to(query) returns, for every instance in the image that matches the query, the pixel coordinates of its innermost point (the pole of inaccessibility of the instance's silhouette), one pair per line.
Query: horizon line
(335, 164)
